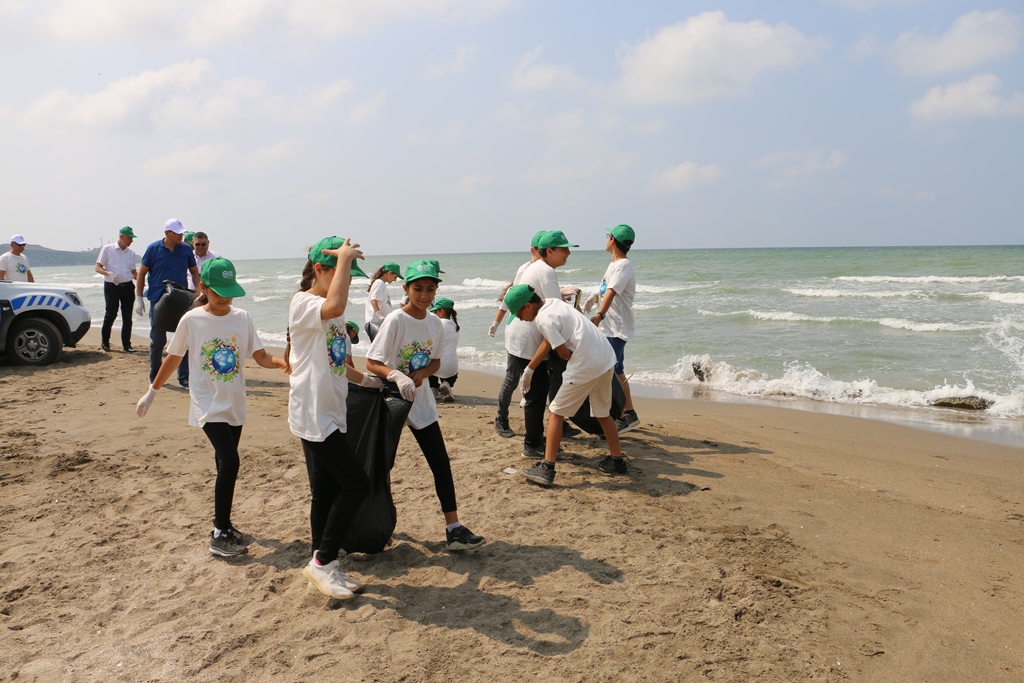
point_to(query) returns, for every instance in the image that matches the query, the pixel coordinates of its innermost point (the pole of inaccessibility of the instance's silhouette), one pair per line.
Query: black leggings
(224, 438)
(432, 444)
(338, 484)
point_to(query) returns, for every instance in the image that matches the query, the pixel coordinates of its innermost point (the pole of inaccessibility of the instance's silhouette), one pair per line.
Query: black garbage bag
(375, 422)
(584, 421)
(171, 305)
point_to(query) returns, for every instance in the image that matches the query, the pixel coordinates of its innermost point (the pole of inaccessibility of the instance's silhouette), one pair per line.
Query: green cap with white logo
(219, 275)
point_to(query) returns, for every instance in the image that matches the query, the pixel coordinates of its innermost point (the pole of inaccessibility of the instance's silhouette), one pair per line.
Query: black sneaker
(533, 453)
(570, 431)
(612, 465)
(183, 383)
(105, 346)
(502, 428)
(461, 538)
(129, 349)
(627, 422)
(538, 474)
(240, 537)
(226, 545)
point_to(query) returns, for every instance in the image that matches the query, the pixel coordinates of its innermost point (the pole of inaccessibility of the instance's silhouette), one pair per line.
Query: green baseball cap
(420, 269)
(535, 242)
(515, 298)
(437, 266)
(393, 267)
(355, 328)
(219, 275)
(317, 255)
(555, 238)
(443, 302)
(623, 233)
(188, 238)
(127, 230)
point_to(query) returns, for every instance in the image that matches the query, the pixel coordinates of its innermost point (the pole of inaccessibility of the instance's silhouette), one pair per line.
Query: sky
(455, 126)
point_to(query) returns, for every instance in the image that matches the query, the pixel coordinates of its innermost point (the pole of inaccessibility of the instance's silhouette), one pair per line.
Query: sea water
(881, 332)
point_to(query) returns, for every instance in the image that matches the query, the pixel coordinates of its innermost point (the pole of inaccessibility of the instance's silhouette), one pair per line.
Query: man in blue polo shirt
(166, 259)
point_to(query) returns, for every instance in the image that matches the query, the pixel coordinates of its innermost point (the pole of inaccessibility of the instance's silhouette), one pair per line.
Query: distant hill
(39, 256)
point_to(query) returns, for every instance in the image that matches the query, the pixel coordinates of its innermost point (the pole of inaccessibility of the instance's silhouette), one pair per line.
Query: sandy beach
(747, 543)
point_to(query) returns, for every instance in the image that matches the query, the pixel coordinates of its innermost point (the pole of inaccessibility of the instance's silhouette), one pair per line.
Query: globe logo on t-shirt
(418, 361)
(338, 351)
(224, 361)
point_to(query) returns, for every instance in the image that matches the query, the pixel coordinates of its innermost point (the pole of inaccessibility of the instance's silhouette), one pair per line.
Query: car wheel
(34, 341)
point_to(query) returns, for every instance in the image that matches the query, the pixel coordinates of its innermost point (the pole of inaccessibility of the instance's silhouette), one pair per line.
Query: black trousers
(431, 443)
(224, 438)
(536, 398)
(338, 484)
(118, 296)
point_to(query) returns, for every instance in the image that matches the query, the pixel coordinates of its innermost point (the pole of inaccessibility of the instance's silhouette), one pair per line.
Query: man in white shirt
(14, 264)
(116, 263)
(201, 246)
(590, 362)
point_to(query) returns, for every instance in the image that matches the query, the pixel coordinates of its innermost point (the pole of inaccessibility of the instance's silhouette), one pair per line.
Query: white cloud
(531, 75)
(905, 192)
(708, 56)
(972, 40)
(555, 169)
(473, 182)
(683, 177)
(367, 111)
(186, 93)
(865, 5)
(805, 162)
(979, 97)
(102, 20)
(652, 127)
(271, 155)
(464, 55)
(199, 161)
(216, 21)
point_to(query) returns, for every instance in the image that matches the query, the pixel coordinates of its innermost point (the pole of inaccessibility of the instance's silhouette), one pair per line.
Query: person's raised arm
(337, 294)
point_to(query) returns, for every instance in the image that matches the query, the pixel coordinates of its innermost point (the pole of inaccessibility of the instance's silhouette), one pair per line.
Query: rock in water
(963, 402)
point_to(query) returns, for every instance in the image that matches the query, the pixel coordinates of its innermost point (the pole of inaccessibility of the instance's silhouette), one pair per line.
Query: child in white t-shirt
(588, 373)
(317, 357)
(218, 339)
(447, 374)
(408, 349)
(378, 303)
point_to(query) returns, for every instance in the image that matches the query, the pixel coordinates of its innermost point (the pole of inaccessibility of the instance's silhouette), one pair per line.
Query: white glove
(406, 387)
(142, 407)
(493, 328)
(527, 379)
(371, 381)
(140, 306)
(591, 300)
(115, 279)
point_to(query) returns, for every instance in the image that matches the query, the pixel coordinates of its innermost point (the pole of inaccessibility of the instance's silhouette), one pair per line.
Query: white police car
(37, 321)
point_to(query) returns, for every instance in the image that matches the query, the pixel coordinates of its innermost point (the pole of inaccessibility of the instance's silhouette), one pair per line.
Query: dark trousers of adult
(338, 484)
(431, 442)
(116, 297)
(536, 398)
(556, 366)
(224, 438)
(157, 342)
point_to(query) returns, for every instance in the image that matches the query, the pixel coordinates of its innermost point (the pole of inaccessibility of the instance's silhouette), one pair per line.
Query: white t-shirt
(378, 293)
(407, 344)
(618, 321)
(521, 339)
(120, 262)
(450, 353)
(318, 390)
(542, 278)
(15, 267)
(218, 346)
(592, 355)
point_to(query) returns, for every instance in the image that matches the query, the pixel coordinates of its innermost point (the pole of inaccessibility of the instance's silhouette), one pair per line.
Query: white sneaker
(329, 579)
